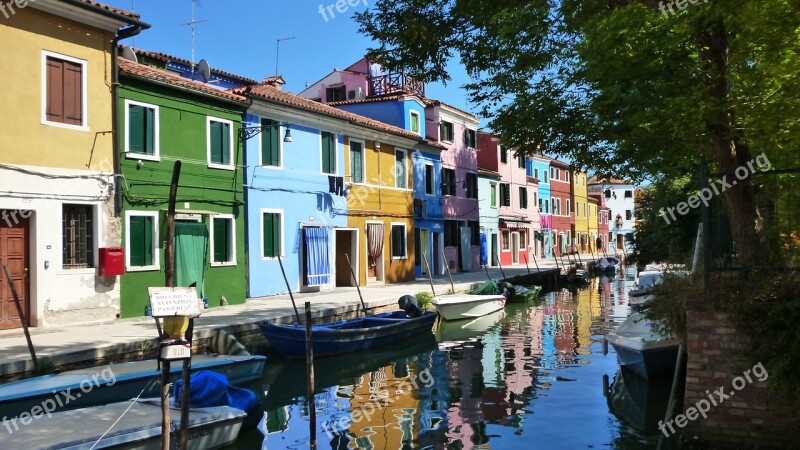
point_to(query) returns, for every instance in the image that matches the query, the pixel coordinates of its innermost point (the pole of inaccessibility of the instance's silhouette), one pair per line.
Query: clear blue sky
(239, 36)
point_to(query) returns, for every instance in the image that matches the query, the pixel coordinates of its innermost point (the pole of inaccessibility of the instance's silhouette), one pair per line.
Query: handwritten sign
(181, 301)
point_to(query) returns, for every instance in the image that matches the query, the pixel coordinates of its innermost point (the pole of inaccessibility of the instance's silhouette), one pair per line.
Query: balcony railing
(395, 83)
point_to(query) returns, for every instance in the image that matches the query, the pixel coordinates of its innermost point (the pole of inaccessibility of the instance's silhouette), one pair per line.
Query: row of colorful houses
(361, 178)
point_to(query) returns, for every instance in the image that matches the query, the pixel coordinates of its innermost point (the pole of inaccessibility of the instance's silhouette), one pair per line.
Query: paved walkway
(82, 342)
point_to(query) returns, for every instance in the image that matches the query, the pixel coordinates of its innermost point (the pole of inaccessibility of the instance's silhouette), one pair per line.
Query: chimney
(275, 81)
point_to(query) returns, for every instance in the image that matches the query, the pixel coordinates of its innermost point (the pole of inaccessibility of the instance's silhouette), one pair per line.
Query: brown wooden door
(14, 254)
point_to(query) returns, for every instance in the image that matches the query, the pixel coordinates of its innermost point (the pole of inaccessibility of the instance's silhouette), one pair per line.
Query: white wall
(61, 296)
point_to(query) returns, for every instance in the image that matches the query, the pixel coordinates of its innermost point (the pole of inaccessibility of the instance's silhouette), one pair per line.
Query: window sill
(267, 166)
(88, 271)
(143, 157)
(224, 264)
(399, 258)
(270, 258)
(142, 268)
(221, 167)
(65, 126)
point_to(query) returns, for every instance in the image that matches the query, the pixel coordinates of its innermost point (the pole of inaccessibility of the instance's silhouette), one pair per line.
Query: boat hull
(115, 382)
(648, 364)
(348, 335)
(469, 306)
(139, 428)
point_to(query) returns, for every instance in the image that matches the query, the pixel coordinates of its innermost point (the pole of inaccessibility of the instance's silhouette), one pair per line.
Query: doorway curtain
(484, 250)
(374, 242)
(191, 255)
(318, 263)
(466, 248)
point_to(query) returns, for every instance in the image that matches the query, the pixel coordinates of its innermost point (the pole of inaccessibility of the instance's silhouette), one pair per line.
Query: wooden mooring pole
(447, 266)
(22, 318)
(169, 281)
(312, 407)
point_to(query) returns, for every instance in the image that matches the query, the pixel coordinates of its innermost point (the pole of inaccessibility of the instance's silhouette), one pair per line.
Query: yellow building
(380, 205)
(57, 159)
(594, 224)
(580, 212)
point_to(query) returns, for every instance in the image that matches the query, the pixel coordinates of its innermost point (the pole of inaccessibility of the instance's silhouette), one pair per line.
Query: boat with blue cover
(115, 382)
(347, 335)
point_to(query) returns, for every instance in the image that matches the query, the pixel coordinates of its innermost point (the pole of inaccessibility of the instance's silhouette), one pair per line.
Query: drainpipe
(124, 33)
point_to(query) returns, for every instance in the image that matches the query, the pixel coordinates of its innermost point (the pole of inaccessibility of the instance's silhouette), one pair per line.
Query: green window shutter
(270, 143)
(141, 241)
(357, 163)
(136, 141)
(328, 152)
(226, 143)
(222, 240)
(150, 131)
(272, 235)
(216, 142)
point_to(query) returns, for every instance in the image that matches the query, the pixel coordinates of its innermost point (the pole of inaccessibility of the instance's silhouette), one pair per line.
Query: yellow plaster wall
(581, 197)
(23, 137)
(378, 200)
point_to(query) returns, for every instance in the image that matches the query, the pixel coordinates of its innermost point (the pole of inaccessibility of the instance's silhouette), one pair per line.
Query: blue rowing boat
(114, 383)
(347, 335)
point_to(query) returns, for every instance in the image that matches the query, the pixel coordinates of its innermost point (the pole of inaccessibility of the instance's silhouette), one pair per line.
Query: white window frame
(566, 176)
(493, 187)
(281, 131)
(391, 240)
(232, 262)
(363, 160)
(405, 164)
(569, 208)
(411, 115)
(523, 243)
(156, 254)
(156, 156)
(232, 165)
(84, 126)
(335, 172)
(441, 138)
(261, 213)
(503, 248)
(433, 180)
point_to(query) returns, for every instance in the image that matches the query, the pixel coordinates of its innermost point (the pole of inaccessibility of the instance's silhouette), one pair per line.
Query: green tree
(619, 86)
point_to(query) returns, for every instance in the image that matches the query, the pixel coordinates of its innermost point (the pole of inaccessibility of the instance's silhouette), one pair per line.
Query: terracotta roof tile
(612, 180)
(162, 76)
(384, 98)
(431, 102)
(121, 12)
(272, 94)
(163, 57)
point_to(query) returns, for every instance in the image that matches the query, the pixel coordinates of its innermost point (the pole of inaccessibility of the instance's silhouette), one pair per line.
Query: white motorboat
(467, 306)
(643, 349)
(454, 332)
(138, 428)
(642, 291)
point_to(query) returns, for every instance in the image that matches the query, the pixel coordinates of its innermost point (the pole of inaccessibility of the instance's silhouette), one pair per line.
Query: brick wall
(714, 360)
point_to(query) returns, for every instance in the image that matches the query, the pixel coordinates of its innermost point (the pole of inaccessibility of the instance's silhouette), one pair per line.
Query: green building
(163, 118)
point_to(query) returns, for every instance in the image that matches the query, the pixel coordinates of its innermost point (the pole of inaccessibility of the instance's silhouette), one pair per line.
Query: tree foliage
(615, 85)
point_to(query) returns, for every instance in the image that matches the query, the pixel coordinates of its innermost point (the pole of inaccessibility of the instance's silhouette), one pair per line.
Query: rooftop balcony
(395, 83)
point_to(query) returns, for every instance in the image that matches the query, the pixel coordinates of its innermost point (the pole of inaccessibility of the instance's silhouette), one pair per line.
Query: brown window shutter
(55, 90)
(73, 106)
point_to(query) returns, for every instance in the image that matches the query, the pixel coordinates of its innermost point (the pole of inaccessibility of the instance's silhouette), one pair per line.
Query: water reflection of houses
(560, 326)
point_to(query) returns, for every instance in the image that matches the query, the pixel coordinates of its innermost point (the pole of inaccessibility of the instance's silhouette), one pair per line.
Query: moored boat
(347, 335)
(642, 292)
(466, 306)
(115, 382)
(642, 348)
(132, 425)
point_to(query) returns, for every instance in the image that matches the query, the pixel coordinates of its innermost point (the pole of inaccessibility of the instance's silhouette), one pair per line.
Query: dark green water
(527, 377)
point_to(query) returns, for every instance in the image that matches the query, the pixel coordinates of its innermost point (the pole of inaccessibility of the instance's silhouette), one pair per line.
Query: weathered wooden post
(312, 410)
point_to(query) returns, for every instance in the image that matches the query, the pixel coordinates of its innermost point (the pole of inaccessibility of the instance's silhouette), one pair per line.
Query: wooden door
(14, 254)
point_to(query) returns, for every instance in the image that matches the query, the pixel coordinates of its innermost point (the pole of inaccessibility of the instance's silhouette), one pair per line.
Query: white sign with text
(180, 301)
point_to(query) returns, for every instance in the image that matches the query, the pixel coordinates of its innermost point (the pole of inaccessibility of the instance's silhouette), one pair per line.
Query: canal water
(531, 376)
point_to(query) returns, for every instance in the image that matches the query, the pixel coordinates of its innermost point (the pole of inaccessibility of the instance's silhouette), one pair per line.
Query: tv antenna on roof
(192, 24)
(278, 50)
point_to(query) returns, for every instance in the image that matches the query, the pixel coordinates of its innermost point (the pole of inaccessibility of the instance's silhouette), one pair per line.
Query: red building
(561, 200)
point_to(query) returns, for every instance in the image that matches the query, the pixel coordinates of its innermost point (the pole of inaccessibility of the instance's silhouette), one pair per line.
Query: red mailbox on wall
(112, 261)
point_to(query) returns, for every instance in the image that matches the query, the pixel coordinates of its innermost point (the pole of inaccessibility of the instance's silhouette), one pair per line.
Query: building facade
(580, 205)
(58, 206)
(164, 118)
(539, 169)
(561, 205)
(619, 198)
(488, 185)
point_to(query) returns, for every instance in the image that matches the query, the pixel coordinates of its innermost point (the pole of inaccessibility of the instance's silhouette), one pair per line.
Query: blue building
(183, 67)
(408, 112)
(539, 168)
(488, 182)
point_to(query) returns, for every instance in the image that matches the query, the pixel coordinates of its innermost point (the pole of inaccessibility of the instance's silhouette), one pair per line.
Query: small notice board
(179, 301)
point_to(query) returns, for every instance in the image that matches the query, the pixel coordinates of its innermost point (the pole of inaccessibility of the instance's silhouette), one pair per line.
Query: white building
(620, 198)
